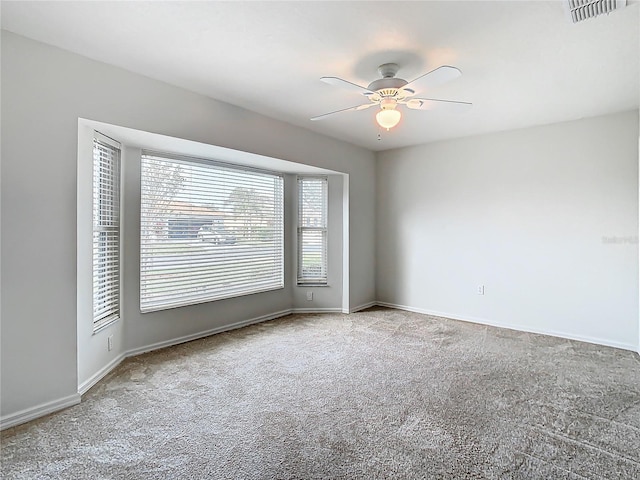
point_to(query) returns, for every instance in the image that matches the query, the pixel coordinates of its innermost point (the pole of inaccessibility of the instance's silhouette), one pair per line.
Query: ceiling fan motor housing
(388, 85)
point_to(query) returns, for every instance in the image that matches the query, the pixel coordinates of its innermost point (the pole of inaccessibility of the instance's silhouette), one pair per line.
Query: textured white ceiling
(523, 63)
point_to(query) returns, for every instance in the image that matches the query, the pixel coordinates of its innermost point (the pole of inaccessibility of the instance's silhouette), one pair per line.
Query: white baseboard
(29, 414)
(32, 413)
(362, 307)
(520, 328)
(85, 386)
(316, 310)
(41, 410)
(100, 374)
(206, 333)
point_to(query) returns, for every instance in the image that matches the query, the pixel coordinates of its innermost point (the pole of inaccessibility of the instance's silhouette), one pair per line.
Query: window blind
(208, 231)
(106, 232)
(312, 230)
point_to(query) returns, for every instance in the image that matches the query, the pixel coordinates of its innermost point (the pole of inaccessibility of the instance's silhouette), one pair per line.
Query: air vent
(579, 10)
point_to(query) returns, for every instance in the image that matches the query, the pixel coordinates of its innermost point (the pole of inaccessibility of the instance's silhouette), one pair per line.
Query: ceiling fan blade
(433, 78)
(405, 92)
(435, 104)
(339, 82)
(357, 107)
(364, 106)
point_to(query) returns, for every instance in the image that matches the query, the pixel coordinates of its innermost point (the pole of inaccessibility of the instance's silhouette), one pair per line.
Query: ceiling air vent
(579, 10)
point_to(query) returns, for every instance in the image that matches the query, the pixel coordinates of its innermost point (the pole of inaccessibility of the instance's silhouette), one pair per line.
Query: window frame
(323, 279)
(113, 185)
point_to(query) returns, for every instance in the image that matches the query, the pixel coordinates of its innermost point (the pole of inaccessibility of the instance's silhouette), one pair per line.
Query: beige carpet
(377, 394)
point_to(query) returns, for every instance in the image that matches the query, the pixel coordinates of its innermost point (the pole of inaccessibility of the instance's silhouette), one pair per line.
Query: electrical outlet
(480, 290)
(309, 296)
(110, 342)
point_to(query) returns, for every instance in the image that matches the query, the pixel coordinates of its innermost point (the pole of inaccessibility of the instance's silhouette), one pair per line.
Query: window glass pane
(313, 205)
(313, 252)
(312, 230)
(208, 231)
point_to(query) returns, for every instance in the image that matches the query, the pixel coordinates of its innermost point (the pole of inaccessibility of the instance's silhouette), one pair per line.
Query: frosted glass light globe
(388, 118)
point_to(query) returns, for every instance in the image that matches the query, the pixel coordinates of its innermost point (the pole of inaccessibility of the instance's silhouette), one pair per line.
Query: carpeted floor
(377, 394)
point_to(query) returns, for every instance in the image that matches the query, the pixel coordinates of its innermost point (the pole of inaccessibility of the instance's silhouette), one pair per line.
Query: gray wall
(546, 218)
(44, 92)
(522, 212)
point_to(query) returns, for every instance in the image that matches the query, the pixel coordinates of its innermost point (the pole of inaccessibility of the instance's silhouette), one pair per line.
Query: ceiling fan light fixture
(388, 118)
(388, 92)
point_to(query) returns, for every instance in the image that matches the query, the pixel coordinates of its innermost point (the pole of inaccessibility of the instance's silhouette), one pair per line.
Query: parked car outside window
(216, 235)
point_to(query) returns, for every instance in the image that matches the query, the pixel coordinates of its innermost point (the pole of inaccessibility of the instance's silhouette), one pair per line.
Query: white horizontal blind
(106, 232)
(208, 231)
(312, 230)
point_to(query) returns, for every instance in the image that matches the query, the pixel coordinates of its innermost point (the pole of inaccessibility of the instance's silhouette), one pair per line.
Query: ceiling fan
(389, 92)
